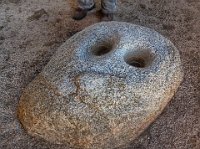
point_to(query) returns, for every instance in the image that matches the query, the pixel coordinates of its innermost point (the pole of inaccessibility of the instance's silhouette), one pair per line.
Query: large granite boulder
(103, 87)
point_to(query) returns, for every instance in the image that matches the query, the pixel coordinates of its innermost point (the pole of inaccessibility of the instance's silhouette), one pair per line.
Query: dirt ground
(32, 30)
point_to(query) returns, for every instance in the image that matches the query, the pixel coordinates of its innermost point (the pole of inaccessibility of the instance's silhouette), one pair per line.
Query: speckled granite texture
(103, 87)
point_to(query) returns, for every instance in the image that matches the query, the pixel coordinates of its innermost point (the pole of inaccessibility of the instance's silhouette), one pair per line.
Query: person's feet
(79, 13)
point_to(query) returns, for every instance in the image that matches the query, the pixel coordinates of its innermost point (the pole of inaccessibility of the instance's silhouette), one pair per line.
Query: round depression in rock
(103, 87)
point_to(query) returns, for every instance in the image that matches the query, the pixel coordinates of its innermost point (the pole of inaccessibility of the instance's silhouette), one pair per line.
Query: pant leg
(85, 4)
(109, 6)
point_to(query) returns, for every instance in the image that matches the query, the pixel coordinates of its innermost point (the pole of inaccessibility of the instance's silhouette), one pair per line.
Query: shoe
(105, 17)
(94, 6)
(79, 13)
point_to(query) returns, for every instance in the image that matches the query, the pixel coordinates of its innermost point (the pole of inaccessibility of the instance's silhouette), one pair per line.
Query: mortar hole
(139, 58)
(101, 50)
(137, 62)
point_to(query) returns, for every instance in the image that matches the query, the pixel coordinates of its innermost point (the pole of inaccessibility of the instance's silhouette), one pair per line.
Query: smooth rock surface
(103, 87)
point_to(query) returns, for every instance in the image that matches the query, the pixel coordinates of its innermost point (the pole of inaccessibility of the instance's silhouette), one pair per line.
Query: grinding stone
(103, 87)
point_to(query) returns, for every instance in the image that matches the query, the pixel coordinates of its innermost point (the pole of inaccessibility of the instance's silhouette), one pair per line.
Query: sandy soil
(32, 30)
